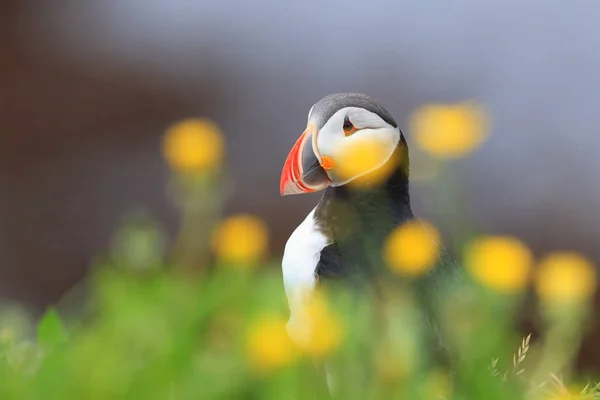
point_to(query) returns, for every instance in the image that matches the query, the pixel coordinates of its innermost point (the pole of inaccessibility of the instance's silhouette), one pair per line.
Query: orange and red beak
(302, 171)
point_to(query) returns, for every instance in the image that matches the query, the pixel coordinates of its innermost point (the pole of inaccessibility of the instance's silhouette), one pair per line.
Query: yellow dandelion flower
(500, 262)
(269, 346)
(241, 239)
(193, 145)
(449, 131)
(412, 248)
(365, 163)
(565, 277)
(315, 328)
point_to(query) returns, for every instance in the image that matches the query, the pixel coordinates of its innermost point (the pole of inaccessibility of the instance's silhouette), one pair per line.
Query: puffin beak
(302, 171)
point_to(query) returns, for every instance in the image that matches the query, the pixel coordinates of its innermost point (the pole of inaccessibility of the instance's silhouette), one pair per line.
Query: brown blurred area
(86, 91)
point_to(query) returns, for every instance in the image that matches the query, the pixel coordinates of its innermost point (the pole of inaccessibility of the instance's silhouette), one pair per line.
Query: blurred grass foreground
(206, 318)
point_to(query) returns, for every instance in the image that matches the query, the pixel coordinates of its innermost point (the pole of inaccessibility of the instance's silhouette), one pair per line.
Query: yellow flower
(315, 328)
(193, 145)
(412, 248)
(269, 346)
(365, 163)
(565, 277)
(241, 239)
(499, 262)
(449, 131)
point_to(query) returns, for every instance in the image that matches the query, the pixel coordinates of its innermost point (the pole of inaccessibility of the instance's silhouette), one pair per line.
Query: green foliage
(176, 335)
(154, 330)
(50, 331)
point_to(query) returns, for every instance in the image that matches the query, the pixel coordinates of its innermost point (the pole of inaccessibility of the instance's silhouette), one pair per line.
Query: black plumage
(347, 232)
(357, 222)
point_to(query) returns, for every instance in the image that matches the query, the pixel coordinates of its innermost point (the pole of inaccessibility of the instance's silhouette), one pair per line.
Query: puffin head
(339, 125)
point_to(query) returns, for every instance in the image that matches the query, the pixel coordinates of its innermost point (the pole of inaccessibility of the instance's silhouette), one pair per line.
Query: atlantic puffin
(342, 237)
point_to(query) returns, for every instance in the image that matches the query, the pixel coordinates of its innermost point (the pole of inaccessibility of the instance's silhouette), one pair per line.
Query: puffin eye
(348, 127)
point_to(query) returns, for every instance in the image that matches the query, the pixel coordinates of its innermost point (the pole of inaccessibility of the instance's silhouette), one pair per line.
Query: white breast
(302, 253)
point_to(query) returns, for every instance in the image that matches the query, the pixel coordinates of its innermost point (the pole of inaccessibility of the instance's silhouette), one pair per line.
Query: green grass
(147, 328)
(169, 334)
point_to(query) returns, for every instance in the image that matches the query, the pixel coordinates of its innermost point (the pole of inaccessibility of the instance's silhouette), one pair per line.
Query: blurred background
(87, 90)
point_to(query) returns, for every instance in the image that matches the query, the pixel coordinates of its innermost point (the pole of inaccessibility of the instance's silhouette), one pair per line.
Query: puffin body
(341, 239)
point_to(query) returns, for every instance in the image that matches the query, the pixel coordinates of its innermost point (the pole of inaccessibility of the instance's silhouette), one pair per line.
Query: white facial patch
(332, 141)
